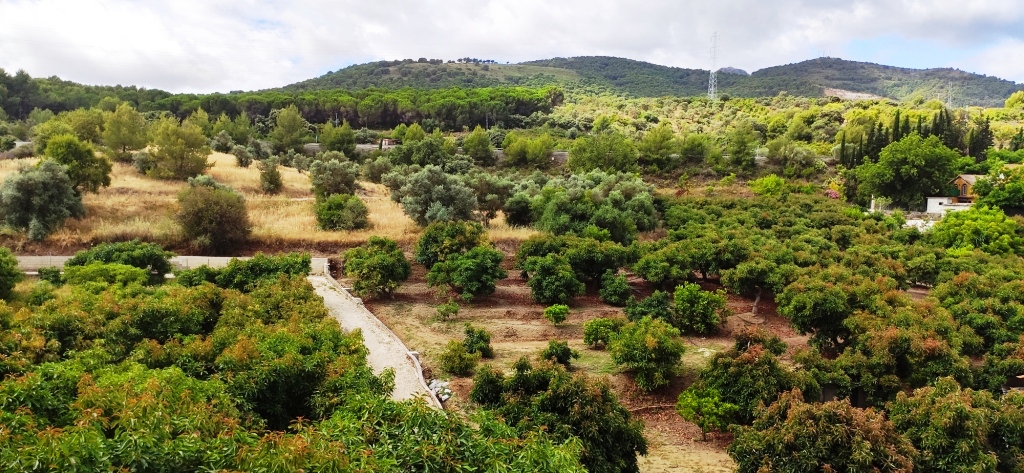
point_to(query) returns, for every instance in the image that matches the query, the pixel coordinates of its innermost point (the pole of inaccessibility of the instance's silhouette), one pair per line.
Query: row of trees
(237, 368)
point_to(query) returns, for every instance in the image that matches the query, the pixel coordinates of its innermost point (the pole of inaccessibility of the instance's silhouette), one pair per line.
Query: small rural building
(941, 205)
(389, 142)
(965, 188)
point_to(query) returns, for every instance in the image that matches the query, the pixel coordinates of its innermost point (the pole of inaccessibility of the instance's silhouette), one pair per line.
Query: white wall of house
(941, 205)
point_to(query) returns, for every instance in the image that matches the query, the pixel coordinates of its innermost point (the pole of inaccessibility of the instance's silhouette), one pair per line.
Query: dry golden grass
(136, 206)
(11, 166)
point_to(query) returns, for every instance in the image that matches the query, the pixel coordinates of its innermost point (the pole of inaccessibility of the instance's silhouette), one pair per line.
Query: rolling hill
(643, 79)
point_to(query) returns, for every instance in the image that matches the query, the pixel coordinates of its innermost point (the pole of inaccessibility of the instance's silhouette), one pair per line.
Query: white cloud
(210, 45)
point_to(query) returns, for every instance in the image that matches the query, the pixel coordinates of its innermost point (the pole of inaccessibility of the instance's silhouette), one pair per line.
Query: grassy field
(136, 206)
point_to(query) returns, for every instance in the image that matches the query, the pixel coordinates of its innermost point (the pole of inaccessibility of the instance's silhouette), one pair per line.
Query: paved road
(33, 263)
(386, 350)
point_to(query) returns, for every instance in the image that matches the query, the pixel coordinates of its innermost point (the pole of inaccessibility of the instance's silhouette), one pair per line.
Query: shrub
(478, 146)
(478, 340)
(41, 292)
(333, 177)
(270, 176)
(518, 211)
(557, 313)
(39, 199)
(213, 219)
(222, 142)
(441, 240)
(559, 352)
(148, 256)
(568, 406)
(696, 310)
(7, 143)
(143, 162)
(242, 156)
(705, 407)
(472, 274)
(51, 275)
(246, 275)
(447, 310)
(598, 332)
(552, 280)
(377, 267)
(342, 212)
(650, 349)
(196, 276)
(374, 170)
(109, 273)
(615, 289)
(10, 275)
(456, 360)
(655, 306)
(770, 185)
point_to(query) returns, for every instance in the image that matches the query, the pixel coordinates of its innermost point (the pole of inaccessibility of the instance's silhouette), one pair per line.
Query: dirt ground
(519, 329)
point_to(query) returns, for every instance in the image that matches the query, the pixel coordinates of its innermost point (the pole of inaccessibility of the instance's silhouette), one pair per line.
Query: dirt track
(386, 349)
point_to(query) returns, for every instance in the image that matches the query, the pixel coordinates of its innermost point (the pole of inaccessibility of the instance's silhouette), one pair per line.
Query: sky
(206, 46)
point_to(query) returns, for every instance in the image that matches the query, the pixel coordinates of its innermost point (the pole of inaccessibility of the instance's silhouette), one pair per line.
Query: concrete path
(386, 350)
(33, 263)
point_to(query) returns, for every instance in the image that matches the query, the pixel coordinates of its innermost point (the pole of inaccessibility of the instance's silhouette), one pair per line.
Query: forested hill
(643, 79)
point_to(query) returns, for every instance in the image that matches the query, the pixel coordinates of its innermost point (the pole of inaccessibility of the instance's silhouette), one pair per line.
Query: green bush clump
(270, 176)
(246, 275)
(441, 240)
(51, 275)
(108, 273)
(213, 219)
(39, 199)
(196, 276)
(557, 313)
(615, 289)
(559, 352)
(10, 275)
(696, 310)
(474, 273)
(456, 360)
(598, 332)
(650, 349)
(447, 310)
(478, 340)
(552, 280)
(333, 177)
(377, 267)
(148, 256)
(549, 396)
(341, 212)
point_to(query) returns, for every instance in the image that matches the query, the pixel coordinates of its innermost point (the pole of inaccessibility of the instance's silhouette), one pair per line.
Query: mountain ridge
(638, 78)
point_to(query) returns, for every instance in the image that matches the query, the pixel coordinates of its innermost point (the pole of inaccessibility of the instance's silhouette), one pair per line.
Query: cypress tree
(896, 127)
(842, 151)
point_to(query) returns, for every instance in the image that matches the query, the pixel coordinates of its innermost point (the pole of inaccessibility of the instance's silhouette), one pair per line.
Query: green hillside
(435, 74)
(643, 79)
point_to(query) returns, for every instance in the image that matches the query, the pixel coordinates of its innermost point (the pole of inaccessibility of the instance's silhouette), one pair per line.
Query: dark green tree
(377, 267)
(39, 199)
(87, 171)
(908, 171)
(609, 151)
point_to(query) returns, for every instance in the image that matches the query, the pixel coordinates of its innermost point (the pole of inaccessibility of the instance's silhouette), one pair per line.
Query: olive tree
(39, 199)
